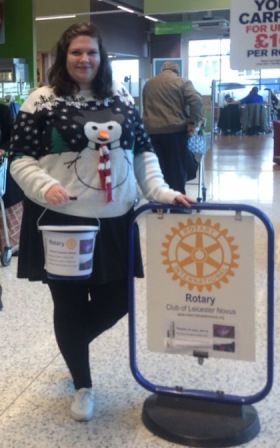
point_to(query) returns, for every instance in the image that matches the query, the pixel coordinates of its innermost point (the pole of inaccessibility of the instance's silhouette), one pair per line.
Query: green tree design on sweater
(58, 144)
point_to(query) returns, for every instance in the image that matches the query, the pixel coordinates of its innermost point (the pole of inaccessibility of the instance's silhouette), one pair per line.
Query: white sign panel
(255, 34)
(200, 285)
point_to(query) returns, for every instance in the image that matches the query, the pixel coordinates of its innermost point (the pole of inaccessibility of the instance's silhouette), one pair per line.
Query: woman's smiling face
(83, 60)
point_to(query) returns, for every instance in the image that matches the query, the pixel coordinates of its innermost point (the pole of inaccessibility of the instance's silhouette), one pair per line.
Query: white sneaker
(82, 407)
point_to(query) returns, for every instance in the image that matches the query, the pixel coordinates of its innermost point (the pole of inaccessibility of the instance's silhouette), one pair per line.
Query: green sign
(173, 28)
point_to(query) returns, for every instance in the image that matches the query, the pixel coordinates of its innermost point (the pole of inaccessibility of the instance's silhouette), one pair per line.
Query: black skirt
(110, 259)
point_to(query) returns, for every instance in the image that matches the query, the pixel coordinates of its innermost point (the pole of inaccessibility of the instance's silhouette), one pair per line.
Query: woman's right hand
(190, 129)
(57, 195)
(184, 199)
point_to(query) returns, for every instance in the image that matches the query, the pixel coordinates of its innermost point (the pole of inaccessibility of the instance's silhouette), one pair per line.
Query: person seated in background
(229, 117)
(228, 99)
(252, 97)
(253, 117)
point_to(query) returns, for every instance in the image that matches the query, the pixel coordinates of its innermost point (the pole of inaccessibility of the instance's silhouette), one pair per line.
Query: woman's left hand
(184, 200)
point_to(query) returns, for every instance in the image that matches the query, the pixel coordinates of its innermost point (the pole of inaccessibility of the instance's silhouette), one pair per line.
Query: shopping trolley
(199, 144)
(6, 254)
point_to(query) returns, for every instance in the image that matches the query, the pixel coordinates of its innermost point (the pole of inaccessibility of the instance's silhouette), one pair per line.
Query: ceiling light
(119, 9)
(139, 12)
(151, 18)
(65, 16)
(125, 9)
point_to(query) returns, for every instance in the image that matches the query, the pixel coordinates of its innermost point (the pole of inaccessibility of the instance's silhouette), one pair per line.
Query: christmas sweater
(97, 150)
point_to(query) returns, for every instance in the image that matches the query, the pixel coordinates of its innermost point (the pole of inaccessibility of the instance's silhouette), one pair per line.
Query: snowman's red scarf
(104, 169)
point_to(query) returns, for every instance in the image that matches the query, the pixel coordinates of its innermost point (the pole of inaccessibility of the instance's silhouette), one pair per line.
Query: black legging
(81, 313)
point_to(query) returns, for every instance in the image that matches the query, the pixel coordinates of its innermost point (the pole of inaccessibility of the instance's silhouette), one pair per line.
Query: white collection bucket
(69, 251)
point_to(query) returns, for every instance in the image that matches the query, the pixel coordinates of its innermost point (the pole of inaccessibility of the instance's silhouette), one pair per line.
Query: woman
(82, 137)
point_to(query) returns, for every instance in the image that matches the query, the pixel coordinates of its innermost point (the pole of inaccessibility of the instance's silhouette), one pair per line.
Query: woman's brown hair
(58, 75)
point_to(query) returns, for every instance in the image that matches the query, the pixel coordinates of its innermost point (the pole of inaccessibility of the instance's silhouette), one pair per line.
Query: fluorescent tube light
(66, 16)
(151, 18)
(126, 9)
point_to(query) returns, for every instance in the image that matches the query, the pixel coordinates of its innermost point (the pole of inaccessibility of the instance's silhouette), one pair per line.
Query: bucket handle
(40, 217)
(44, 211)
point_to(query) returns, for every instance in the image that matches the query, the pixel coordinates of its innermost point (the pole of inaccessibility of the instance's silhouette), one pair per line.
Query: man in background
(172, 108)
(253, 115)
(252, 97)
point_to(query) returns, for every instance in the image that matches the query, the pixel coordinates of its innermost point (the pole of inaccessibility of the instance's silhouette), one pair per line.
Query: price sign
(264, 40)
(255, 34)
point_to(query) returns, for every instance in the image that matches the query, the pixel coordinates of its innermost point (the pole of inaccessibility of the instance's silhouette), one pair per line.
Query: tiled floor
(35, 388)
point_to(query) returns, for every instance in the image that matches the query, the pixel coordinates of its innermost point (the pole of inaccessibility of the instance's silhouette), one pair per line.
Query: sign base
(200, 423)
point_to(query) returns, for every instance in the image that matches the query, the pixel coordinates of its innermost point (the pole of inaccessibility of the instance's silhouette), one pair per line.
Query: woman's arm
(150, 179)
(32, 179)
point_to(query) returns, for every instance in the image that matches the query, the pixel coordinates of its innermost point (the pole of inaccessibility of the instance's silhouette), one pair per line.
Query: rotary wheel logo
(200, 254)
(71, 243)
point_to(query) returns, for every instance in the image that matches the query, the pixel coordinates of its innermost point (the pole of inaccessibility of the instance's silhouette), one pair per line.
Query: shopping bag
(196, 143)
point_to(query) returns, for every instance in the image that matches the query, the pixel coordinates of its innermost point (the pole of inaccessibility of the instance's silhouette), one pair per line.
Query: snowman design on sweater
(102, 165)
(88, 145)
(104, 143)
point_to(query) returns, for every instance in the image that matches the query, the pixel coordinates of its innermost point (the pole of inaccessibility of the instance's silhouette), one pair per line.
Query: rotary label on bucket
(68, 255)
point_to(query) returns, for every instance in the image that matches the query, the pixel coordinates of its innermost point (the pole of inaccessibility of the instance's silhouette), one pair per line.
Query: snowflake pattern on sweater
(42, 117)
(97, 150)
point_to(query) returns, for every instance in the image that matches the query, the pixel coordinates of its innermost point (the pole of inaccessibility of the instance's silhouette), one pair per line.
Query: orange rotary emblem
(200, 254)
(71, 243)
